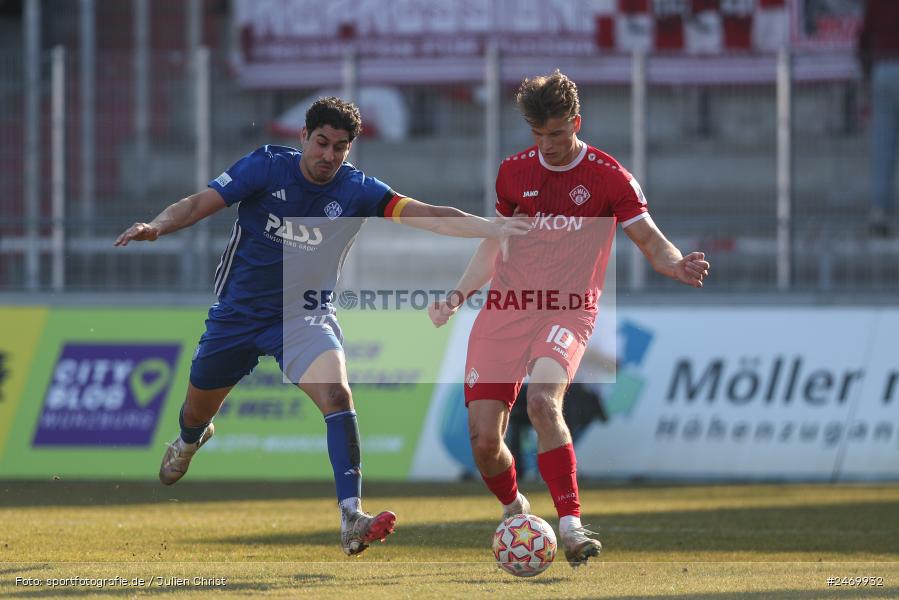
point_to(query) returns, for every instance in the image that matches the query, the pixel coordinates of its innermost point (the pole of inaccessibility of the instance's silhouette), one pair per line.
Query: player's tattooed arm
(664, 256)
(181, 214)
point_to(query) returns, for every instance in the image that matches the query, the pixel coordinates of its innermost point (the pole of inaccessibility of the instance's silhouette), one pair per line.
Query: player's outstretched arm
(181, 214)
(446, 220)
(664, 256)
(478, 272)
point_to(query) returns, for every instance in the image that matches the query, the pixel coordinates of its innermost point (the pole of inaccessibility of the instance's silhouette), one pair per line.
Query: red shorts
(499, 356)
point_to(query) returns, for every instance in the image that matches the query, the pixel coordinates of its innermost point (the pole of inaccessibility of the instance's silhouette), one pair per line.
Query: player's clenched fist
(692, 269)
(440, 313)
(139, 232)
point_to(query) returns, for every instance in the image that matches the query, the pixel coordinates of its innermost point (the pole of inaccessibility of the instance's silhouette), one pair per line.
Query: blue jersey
(291, 236)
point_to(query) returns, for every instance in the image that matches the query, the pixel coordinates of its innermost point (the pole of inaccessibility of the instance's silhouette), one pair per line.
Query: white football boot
(578, 546)
(178, 454)
(361, 529)
(520, 506)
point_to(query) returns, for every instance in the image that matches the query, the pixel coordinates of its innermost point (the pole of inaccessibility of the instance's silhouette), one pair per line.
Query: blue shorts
(233, 342)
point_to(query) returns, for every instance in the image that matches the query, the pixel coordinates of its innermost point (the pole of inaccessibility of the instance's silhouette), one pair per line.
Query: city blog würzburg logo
(106, 394)
(579, 195)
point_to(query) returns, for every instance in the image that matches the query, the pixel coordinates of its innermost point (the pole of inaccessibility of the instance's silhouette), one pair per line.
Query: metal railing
(743, 195)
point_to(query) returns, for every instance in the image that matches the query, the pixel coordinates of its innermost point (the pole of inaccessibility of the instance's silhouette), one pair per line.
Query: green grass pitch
(280, 540)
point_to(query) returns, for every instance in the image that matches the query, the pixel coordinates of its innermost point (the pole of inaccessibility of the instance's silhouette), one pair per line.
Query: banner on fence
(96, 393)
(286, 43)
(722, 393)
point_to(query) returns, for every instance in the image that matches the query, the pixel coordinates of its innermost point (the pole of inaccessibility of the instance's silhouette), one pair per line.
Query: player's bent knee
(486, 446)
(543, 408)
(338, 397)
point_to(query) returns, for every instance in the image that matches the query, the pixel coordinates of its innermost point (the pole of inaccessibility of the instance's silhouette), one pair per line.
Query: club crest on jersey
(472, 378)
(579, 195)
(333, 210)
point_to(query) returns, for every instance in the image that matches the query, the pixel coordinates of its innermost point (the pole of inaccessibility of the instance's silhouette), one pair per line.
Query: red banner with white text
(288, 43)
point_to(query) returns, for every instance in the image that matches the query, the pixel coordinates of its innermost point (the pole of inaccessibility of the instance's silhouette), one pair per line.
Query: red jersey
(576, 208)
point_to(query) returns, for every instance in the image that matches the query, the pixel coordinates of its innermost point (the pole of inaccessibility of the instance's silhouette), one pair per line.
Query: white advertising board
(726, 393)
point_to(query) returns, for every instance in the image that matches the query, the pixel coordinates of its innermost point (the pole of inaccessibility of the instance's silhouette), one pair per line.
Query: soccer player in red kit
(542, 302)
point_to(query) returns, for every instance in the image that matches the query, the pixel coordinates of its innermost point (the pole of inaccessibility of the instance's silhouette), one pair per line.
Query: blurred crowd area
(710, 176)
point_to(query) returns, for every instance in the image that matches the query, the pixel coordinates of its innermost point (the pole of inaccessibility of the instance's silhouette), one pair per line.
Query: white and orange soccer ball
(524, 545)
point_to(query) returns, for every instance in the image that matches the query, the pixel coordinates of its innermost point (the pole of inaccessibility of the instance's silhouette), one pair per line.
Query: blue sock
(190, 435)
(343, 449)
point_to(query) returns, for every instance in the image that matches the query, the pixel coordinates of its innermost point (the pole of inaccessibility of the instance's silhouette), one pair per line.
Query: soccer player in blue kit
(291, 204)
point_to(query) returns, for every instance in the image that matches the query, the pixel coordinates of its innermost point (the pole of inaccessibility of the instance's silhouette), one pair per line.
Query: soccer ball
(524, 545)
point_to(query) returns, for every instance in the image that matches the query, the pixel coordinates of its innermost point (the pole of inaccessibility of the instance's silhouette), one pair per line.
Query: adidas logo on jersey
(280, 195)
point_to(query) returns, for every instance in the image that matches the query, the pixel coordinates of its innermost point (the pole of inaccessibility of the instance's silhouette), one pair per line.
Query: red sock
(504, 486)
(558, 467)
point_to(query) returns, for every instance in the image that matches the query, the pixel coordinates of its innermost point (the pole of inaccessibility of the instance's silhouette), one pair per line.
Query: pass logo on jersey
(292, 233)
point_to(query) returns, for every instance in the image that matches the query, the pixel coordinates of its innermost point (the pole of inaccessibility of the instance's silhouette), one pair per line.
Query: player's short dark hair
(335, 112)
(548, 97)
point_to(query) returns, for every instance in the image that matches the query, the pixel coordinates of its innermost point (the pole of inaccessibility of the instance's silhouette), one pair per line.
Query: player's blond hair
(548, 97)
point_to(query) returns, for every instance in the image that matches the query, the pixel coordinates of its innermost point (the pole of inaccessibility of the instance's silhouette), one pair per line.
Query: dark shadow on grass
(240, 588)
(300, 583)
(130, 592)
(852, 528)
(11, 570)
(112, 493)
(314, 578)
(824, 592)
(542, 580)
(847, 528)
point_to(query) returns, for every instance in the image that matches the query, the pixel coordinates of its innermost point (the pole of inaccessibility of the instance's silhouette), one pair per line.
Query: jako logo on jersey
(284, 229)
(472, 378)
(557, 222)
(579, 195)
(531, 194)
(280, 195)
(333, 210)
